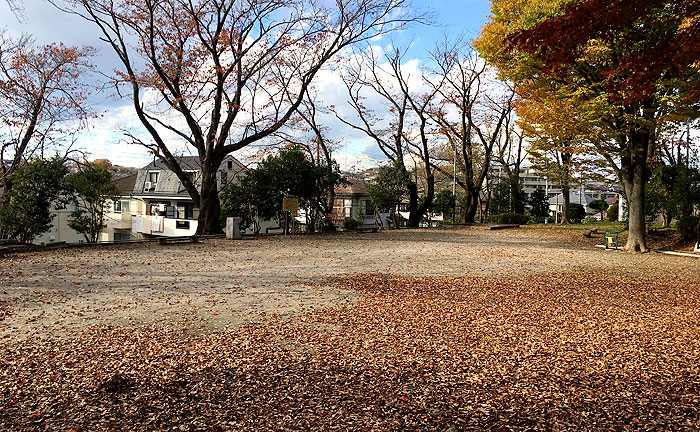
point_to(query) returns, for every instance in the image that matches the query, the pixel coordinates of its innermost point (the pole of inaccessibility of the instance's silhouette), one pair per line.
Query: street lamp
(454, 185)
(546, 192)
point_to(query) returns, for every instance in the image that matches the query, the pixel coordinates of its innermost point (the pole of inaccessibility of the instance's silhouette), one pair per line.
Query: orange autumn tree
(628, 65)
(559, 141)
(219, 75)
(43, 99)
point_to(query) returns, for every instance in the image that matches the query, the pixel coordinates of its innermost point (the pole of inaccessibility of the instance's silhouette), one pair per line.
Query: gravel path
(219, 284)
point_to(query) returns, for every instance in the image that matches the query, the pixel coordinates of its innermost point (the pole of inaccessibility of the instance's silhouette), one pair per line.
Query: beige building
(153, 204)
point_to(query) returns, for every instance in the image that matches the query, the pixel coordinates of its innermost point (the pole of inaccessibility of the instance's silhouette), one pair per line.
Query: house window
(369, 208)
(156, 208)
(182, 224)
(121, 206)
(229, 164)
(224, 177)
(403, 207)
(73, 209)
(153, 176)
(184, 210)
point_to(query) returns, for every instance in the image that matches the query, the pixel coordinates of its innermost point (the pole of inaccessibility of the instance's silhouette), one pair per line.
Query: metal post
(687, 142)
(546, 192)
(556, 211)
(454, 185)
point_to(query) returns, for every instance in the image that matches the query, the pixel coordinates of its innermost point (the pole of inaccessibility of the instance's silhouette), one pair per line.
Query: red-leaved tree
(43, 99)
(220, 75)
(631, 64)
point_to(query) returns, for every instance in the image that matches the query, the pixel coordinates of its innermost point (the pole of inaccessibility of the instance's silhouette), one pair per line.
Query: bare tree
(43, 99)
(307, 132)
(471, 114)
(402, 129)
(511, 154)
(222, 74)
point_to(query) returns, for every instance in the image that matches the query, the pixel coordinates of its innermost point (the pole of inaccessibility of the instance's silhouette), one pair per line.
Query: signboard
(291, 205)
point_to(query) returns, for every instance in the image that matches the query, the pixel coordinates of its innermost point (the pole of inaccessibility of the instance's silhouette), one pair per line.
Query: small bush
(591, 220)
(577, 212)
(613, 212)
(352, 223)
(687, 227)
(509, 218)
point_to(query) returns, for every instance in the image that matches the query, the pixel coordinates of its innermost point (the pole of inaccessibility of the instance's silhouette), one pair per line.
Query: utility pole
(687, 142)
(454, 185)
(546, 192)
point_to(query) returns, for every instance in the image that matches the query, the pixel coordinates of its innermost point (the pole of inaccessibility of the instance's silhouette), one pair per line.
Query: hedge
(509, 218)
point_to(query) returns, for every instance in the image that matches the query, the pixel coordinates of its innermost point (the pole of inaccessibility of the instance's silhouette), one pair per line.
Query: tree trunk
(485, 209)
(430, 194)
(413, 216)
(328, 225)
(209, 206)
(633, 182)
(471, 203)
(633, 176)
(565, 219)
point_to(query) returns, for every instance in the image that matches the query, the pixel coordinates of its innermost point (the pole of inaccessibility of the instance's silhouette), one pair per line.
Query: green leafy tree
(614, 212)
(93, 188)
(673, 191)
(25, 209)
(258, 195)
(539, 205)
(444, 203)
(508, 197)
(387, 190)
(599, 205)
(577, 212)
(500, 199)
(238, 200)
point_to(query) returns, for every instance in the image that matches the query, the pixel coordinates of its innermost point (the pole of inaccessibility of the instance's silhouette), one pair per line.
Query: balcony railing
(118, 221)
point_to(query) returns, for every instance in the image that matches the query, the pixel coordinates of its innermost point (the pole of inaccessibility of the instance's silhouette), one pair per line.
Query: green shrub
(353, 223)
(577, 212)
(687, 227)
(509, 218)
(613, 212)
(590, 220)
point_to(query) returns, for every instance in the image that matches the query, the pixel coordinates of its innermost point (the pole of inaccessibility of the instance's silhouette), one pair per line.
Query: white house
(155, 204)
(556, 203)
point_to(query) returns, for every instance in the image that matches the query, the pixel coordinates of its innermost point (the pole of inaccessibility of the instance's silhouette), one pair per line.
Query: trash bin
(610, 239)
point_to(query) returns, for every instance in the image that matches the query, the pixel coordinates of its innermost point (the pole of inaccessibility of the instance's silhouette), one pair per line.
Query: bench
(502, 227)
(366, 229)
(590, 233)
(171, 240)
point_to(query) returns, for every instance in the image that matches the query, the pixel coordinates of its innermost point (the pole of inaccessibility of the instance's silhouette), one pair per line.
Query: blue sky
(47, 24)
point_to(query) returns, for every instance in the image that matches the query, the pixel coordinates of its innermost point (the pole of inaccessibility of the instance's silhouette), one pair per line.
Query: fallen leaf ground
(571, 349)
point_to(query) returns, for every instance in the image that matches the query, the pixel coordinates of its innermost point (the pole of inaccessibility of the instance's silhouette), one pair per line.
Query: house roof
(355, 187)
(169, 185)
(573, 198)
(126, 184)
(185, 162)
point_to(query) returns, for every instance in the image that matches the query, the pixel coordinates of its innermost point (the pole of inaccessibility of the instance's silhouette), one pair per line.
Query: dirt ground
(430, 330)
(219, 284)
